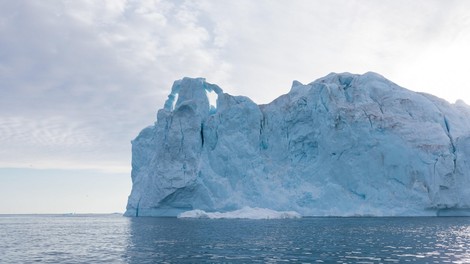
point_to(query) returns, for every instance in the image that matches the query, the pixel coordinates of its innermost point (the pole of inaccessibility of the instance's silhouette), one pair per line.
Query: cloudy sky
(80, 78)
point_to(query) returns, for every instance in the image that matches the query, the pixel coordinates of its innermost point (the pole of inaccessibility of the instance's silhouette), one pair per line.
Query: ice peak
(338, 78)
(346, 78)
(296, 83)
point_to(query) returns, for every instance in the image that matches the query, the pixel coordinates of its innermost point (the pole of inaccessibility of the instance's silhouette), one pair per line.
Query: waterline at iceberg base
(343, 145)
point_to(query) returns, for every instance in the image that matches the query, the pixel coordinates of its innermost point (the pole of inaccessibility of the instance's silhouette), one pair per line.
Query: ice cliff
(342, 145)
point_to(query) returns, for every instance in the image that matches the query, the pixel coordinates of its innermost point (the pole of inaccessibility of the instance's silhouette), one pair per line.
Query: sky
(80, 78)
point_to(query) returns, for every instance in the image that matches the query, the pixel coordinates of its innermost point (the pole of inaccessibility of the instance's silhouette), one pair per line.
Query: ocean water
(116, 239)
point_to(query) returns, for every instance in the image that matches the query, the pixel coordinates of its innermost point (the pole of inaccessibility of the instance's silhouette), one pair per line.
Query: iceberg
(343, 145)
(244, 213)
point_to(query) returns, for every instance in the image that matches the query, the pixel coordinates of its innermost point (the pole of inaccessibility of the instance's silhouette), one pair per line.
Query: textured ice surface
(343, 145)
(244, 213)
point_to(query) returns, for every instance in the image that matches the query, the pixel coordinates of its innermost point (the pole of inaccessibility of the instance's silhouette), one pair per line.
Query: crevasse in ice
(343, 145)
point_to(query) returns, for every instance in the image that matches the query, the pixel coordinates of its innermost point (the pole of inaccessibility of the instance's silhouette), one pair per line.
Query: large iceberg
(343, 145)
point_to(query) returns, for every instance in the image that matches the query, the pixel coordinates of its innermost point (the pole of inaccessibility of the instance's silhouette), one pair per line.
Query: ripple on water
(114, 239)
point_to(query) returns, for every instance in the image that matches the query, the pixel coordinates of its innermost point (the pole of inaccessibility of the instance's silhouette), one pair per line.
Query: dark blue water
(115, 239)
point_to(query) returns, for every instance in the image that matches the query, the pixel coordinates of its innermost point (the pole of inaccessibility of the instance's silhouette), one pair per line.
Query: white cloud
(79, 79)
(270, 43)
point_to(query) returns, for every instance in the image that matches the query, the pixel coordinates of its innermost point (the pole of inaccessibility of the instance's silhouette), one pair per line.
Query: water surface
(116, 239)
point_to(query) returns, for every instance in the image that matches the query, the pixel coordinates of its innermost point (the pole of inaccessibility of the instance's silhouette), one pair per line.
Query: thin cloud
(80, 79)
(269, 43)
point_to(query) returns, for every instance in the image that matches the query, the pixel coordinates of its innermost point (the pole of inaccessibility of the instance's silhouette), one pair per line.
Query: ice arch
(192, 86)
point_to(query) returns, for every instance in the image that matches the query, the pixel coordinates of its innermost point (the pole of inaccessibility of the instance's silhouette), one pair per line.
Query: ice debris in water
(244, 213)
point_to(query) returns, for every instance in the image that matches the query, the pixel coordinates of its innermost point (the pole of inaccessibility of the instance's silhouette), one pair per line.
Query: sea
(118, 239)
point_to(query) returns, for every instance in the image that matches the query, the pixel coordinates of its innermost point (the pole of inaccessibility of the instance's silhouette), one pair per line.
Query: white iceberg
(343, 145)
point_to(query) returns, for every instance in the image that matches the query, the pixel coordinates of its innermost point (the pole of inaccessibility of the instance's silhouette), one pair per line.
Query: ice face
(342, 145)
